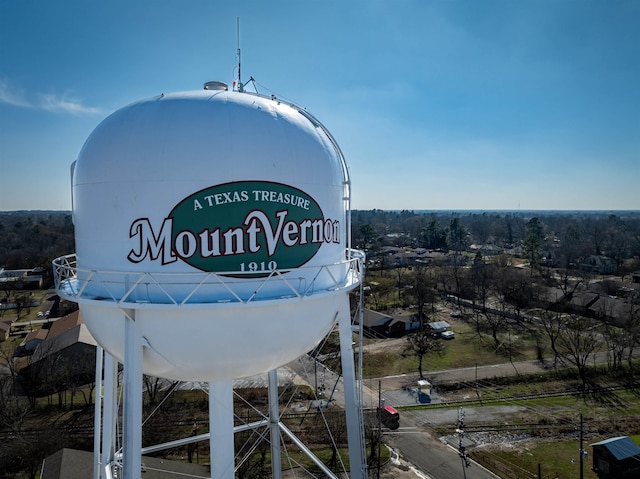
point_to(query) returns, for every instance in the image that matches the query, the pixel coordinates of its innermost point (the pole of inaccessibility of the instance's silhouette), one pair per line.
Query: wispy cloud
(49, 102)
(64, 104)
(10, 97)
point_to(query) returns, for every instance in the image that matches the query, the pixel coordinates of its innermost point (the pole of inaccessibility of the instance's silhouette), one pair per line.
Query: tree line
(30, 239)
(558, 238)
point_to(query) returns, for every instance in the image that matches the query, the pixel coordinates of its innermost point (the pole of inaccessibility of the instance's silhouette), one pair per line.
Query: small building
(424, 387)
(598, 265)
(438, 327)
(616, 458)
(5, 327)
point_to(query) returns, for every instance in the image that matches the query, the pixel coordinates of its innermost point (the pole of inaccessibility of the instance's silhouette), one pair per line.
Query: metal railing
(135, 289)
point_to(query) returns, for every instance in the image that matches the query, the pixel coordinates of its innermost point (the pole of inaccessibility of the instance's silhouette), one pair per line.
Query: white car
(447, 335)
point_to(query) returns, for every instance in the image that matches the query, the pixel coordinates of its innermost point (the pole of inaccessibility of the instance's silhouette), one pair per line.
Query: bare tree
(632, 327)
(423, 343)
(579, 340)
(22, 301)
(333, 432)
(423, 289)
(373, 437)
(618, 341)
(400, 282)
(457, 241)
(153, 388)
(482, 276)
(380, 290)
(495, 323)
(552, 323)
(515, 288)
(13, 410)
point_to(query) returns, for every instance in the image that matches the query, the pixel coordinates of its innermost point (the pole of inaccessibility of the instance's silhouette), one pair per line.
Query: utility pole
(581, 448)
(461, 449)
(477, 391)
(379, 424)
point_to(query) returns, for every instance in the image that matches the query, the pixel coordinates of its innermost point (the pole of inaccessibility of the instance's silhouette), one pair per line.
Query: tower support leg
(353, 406)
(97, 413)
(109, 411)
(221, 429)
(132, 412)
(274, 426)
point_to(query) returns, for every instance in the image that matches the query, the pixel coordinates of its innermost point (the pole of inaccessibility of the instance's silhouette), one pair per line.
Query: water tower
(212, 243)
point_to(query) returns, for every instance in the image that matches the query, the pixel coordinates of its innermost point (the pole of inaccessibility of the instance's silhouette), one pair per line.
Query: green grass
(466, 350)
(557, 459)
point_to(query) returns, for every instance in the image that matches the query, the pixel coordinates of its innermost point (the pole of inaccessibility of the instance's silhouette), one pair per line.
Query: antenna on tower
(240, 85)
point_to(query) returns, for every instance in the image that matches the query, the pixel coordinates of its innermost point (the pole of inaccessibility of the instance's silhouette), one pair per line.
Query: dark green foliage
(29, 239)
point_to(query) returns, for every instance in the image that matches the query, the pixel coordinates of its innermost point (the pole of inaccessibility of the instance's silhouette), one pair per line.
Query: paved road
(412, 441)
(430, 456)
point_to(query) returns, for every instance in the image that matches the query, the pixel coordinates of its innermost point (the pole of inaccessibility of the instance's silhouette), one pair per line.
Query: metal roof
(439, 325)
(621, 447)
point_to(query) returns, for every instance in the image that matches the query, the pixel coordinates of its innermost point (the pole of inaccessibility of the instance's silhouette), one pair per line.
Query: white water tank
(219, 221)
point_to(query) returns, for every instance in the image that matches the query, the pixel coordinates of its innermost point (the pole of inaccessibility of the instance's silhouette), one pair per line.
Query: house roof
(5, 325)
(397, 321)
(621, 447)
(439, 325)
(598, 260)
(57, 327)
(65, 332)
(79, 464)
(38, 334)
(373, 318)
(65, 323)
(408, 316)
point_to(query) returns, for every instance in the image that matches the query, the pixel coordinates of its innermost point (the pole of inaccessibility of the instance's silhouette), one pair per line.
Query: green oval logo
(249, 226)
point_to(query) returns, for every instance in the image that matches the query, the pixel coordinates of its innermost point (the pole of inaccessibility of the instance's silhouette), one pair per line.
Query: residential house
(65, 350)
(375, 322)
(398, 324)
(598, 265)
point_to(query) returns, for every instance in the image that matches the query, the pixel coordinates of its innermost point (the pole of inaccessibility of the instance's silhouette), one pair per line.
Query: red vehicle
(389, 417)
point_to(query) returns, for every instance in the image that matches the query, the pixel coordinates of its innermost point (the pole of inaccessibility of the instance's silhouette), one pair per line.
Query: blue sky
(493, 104)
